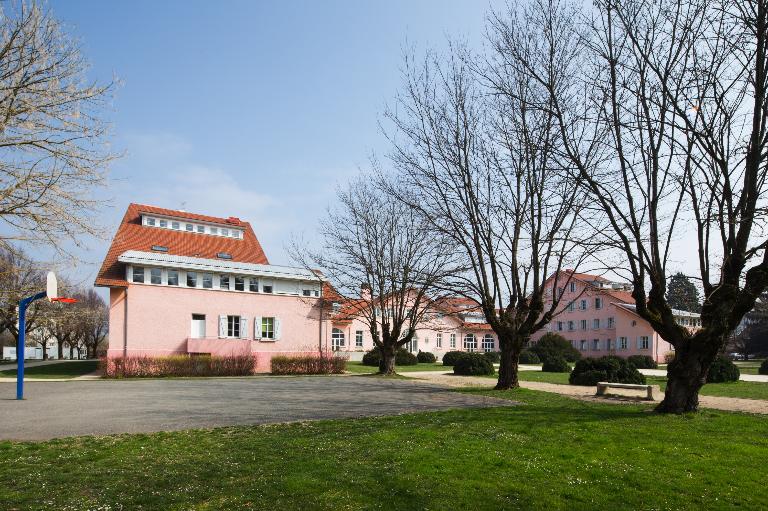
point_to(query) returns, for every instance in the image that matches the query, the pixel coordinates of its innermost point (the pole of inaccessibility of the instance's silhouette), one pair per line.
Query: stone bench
(604, 385)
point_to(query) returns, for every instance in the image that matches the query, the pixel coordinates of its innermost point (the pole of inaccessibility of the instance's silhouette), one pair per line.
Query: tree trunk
(71, 352)
(508, 366)
(60, 346)
(387, 362)
(686, 374)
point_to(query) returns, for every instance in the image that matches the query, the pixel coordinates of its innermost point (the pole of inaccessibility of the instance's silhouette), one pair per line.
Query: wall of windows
(470, 342)
(488, 343)
(192, 227)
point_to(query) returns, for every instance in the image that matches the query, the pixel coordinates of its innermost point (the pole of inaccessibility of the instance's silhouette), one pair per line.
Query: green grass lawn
(359, 368)
(548, 453)
(61, 370)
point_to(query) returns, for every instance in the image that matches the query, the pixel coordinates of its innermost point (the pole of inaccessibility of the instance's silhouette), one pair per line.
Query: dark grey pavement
(59, 409)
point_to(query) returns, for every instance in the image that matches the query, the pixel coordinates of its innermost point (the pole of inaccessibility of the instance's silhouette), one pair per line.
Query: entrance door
(198, 326)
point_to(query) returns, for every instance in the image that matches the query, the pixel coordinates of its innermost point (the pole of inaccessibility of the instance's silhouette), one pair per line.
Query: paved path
(139, 406)
(730, 404)
(663, 372)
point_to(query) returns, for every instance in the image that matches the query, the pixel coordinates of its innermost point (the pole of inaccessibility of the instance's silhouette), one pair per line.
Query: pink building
(182, 283)
(599, 319)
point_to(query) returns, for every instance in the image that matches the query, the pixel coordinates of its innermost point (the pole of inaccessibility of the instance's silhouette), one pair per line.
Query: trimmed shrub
(723, 370)
(308, 364)
(529, 357)
(669, 357)
(372, 358)
(590, 371)
(450, 357)
(177, 365)
(425, 357)
(494, 357)
(642, 362)
(472, 364)
(402, 358)
(554, 345)
(555, 365)
(763, 367)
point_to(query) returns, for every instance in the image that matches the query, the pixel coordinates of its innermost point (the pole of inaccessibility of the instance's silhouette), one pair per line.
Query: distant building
(599, 318)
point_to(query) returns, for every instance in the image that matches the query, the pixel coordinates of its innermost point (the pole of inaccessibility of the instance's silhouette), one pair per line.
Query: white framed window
(163, 223)
(452, 341)
(138, 275)
(201, 229)
(488, 343)
(214, 230)
(175, 225)
(596, 324)
(239, 283)
(150, 221)
(191, 279)
(236, 234)
(155, 276)
(571, 307)
(224, 232)
(337, 339)
(189, 227)
(596, 344)
(583, 305)
(207, 281)
(306, 292)
(643, 342)
(573, 287)
(470, 342)
(268, 328)
(583, 324)
(359, 339)
(266, 289)
(224, 282)
(233, 326)
(173, 278)
(610, 322)
(253, 285)
(622, 343)
(439, 340)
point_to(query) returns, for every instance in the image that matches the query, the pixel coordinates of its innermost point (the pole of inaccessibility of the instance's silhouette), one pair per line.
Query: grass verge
(61, 370)
(550, 452)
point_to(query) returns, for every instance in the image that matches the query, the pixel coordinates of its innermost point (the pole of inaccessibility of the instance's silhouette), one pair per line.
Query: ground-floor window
(268, 328)
(439, 341)
(643, 343)
(233, 326)
(622, 343)
(583, 345)
(488, 344)
(470, 342)
(453, 341)
(596, 344)
(608, 345)
(359, 339)
(412, 345)
(337, 339)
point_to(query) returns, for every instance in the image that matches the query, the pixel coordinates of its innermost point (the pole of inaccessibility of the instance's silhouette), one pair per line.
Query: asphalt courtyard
(59, 409)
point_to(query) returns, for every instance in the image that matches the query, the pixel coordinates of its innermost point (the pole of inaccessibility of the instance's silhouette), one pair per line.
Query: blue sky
(251, 109)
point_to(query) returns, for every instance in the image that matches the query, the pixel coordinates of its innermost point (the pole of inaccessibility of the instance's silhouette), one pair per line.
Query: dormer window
(175, 225)
(214, 230)
(201, 229)
(164, 223)
(150, 221)
(225, 232)
(224, 255)
(190, 227)
(159, 248)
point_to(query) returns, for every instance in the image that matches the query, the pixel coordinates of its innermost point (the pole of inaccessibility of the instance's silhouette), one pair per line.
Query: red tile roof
(132, 235)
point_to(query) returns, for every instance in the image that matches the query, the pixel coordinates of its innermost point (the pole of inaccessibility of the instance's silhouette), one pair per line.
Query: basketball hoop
(62, 299)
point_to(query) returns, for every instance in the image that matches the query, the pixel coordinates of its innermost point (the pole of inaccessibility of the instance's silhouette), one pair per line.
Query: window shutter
(222, 326)
(243, 328)
(277, 329)
(257, 327)
(639, 341)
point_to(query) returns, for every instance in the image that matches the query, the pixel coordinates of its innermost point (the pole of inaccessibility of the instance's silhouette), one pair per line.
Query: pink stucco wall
(159, 322)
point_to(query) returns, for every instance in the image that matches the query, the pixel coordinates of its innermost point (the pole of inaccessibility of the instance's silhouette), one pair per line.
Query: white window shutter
(243, 328)
(222, 326)
(257, 327)
(277, 329)
(639, 345)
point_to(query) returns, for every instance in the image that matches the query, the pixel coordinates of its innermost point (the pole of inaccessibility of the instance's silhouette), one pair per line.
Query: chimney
(365, 292)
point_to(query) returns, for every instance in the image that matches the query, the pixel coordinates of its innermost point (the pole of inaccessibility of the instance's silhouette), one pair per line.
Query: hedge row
(177, 365)
(308, 364)
(403, 357)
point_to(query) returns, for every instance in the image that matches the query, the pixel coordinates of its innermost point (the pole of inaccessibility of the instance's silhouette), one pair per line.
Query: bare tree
(53, 148)
(93, 321)
(19, 277)
(475, 153)
(379, 251)
(674, 94)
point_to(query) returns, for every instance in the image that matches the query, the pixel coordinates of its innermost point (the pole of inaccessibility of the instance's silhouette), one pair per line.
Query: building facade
(598, 317)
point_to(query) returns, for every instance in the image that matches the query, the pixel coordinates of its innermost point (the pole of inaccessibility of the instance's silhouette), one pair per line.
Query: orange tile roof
(132, 235)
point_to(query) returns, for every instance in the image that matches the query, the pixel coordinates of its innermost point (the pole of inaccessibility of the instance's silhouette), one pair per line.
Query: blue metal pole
(23, 304)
